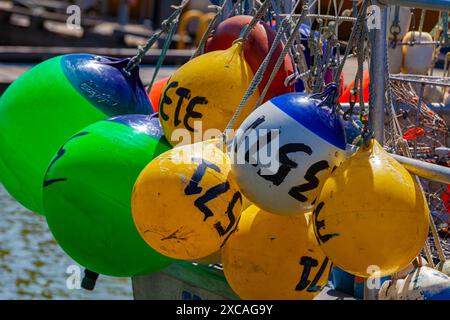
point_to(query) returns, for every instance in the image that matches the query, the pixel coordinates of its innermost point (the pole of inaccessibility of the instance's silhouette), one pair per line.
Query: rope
(163, 55)
(280, 60)
(359, 20)
(211, 25)
(165, 28)
(428, 254)
(422, 20)
(404, 147)
(257, 78)
(256, 18)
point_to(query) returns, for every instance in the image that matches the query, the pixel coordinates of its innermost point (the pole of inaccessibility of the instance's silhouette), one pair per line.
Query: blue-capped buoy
(425, 283)
(284, 151)
(353, 128)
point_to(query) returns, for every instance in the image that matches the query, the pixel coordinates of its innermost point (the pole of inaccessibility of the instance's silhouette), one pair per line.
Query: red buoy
(256, 49)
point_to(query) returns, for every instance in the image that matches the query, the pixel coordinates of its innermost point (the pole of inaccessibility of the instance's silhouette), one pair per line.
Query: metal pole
(430, 171)
(425, 170)
(377, 93)
(378, 70)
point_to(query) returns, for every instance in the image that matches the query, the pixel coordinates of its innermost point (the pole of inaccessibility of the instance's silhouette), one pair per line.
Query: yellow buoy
(245, 203)
(417, 58)
(371, 214)
(186, 203)
(206, 90)
(274, 257)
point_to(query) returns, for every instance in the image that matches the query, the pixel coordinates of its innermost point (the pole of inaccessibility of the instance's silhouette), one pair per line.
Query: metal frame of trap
(189, 281)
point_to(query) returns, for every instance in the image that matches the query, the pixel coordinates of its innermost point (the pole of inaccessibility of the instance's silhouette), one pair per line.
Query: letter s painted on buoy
(313, 181)
(212, 193)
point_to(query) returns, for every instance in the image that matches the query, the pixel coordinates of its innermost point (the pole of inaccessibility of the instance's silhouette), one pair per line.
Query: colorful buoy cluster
(125, 194)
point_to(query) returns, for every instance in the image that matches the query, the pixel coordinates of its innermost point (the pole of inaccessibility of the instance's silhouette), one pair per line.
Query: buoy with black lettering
(186, 203)
(87, 195)
(256, 48)
(368, 204)
(206, 92)
(306, 142)
(274, 257)
(48, 104)
(418, 55)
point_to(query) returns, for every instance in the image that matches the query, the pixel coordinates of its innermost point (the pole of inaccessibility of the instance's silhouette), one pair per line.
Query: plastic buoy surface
(87, 195)
(206, 90)
(255, 50)
(417, 59)
(425, 283)
(51, 102)
(156, 91)
(285, 150)
(366, 206)
(196, 206)
(274, 257)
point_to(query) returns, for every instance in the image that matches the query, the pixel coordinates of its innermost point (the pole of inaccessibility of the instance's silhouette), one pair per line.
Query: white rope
(211, 25)
(257, 78)
(165, 28)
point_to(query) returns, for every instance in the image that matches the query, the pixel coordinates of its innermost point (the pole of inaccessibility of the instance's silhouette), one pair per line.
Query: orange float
(156, 92)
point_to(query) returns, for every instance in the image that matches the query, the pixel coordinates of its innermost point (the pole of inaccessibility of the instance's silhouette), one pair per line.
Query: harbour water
(33, 266)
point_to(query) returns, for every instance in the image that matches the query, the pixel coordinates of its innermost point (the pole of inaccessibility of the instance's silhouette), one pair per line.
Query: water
(33, 266)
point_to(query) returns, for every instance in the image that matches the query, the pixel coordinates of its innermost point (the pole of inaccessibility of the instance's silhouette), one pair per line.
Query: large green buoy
(52, 101)
(87, 195)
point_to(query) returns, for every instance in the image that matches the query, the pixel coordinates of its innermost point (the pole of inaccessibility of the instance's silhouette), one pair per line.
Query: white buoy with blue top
(285, 149)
